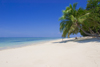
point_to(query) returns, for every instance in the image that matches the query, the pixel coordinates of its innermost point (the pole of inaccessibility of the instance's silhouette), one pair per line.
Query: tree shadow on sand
(79, 40)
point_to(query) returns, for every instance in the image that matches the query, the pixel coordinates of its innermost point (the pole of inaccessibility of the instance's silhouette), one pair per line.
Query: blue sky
(33, 18)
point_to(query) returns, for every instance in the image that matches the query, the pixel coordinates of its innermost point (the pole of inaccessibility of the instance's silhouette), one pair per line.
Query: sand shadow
(79, 40)
(89, 40)
(63, 41)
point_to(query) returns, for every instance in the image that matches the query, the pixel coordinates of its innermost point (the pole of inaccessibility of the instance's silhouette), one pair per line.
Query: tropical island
(55, 52)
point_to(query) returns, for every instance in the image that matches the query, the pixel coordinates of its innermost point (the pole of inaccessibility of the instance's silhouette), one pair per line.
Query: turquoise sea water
(12, 42)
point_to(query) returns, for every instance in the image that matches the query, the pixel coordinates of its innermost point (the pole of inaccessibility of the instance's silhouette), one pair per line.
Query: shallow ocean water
(12, 42)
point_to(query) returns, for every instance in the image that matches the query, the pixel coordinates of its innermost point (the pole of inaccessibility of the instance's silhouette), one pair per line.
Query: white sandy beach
(82, 53)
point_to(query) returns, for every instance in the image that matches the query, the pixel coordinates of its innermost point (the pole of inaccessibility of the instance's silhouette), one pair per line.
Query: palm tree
(73, 20)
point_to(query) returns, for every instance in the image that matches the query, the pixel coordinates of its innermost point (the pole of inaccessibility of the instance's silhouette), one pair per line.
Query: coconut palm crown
(72, 20)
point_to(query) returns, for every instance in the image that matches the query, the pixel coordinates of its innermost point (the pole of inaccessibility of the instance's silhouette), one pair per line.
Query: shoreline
(44, 41)
(25, 45)
(83, 52)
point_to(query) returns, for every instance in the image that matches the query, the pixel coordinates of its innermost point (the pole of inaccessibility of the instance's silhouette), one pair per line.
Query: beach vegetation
(84, 21)
(93, 21)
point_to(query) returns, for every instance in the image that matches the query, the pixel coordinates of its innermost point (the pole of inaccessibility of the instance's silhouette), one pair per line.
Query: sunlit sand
(81, 52)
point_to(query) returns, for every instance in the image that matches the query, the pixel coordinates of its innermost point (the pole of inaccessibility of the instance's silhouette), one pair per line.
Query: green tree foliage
(87, 21)
(93, 21)
(72, 20)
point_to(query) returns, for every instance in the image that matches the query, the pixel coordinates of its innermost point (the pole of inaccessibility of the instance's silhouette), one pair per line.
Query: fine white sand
(84, 52)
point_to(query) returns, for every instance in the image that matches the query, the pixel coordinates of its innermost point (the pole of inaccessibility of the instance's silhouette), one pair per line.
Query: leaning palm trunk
(86, 32)
(91, 31)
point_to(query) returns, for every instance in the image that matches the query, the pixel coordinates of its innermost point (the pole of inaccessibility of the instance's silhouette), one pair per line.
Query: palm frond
(74, 6)
(83, 18)
(73, 19)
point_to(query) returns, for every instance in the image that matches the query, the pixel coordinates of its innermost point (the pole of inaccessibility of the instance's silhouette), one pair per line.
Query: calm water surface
(10, 42)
